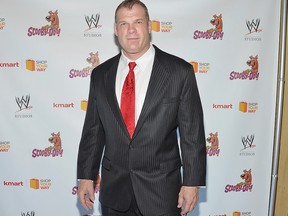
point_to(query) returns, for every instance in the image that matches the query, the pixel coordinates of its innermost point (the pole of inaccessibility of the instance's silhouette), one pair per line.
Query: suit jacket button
(131, 147)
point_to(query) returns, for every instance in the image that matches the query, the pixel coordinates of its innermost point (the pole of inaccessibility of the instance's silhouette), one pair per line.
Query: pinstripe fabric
(151, 158)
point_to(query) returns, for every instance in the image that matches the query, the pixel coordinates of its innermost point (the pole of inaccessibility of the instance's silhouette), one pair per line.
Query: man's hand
(86, 193)
(188, 197)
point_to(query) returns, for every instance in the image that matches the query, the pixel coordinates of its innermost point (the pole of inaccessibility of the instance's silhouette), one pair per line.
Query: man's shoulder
(106, 65)
(110, 62)
(169, 60)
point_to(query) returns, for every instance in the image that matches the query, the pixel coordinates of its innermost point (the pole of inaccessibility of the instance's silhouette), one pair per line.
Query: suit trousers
(133, 209)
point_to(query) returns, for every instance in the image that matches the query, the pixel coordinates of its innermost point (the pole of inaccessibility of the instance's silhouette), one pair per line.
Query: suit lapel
(157, 83)
(109, 82)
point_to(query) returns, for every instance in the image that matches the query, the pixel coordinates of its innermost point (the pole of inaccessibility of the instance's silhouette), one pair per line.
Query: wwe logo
(32, 213)
(92, 21)
(247, 141)
(23, 102)
(254, 24)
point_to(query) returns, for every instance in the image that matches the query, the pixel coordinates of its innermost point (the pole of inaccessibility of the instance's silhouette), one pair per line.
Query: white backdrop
(44, 79)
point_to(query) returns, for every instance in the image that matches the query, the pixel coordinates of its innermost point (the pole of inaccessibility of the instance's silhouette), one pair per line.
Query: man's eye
(140, 22)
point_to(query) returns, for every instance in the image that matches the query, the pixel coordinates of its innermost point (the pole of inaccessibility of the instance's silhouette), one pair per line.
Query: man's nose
(131, 28)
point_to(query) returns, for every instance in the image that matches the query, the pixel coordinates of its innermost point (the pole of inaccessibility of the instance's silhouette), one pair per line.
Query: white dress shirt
(142, 73)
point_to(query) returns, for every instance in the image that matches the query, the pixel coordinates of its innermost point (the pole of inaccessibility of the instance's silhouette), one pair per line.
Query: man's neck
(135, 56)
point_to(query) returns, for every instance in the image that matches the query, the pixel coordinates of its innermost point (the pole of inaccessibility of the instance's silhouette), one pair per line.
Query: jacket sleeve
(191, 130)
(92, 140)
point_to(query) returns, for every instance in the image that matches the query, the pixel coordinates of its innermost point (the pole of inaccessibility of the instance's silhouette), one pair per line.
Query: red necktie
(128, 100)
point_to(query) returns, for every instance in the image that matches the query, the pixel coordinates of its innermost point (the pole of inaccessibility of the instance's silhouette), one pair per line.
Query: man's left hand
(188, 197)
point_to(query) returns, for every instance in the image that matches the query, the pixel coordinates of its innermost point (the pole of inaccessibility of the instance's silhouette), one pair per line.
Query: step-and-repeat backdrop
(48, 50)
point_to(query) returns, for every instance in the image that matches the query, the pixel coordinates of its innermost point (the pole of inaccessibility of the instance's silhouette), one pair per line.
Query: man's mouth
(132, 38)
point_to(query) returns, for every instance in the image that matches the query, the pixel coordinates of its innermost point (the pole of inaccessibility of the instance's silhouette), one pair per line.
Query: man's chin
(132, 51)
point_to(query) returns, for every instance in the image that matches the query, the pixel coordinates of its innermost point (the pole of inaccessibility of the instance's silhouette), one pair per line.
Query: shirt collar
(142, 61)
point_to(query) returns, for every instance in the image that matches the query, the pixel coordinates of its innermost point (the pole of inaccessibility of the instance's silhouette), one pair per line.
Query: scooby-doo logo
(2, 23)
(163, 26)
(54, 151)
(212, 149)
(96, 186)
(51, 29)
(244, 186)
(251, 73)
(213, 33)
(93, 59)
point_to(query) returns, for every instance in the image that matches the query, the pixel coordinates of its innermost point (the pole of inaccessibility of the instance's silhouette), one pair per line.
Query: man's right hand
(86, 193)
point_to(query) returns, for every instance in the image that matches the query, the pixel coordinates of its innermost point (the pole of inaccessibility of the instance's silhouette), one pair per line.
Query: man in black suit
(140, 173)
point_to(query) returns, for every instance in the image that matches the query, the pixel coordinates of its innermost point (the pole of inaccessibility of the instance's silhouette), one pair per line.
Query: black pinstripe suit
(151, 159)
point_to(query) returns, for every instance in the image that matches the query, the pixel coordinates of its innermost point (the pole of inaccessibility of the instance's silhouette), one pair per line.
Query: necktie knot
(132, 65)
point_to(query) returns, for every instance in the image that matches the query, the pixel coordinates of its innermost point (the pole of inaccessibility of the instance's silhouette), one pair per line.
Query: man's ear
(115, 29)
(150, 26)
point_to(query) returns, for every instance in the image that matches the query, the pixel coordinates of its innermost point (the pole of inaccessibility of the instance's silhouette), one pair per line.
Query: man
(140, 173)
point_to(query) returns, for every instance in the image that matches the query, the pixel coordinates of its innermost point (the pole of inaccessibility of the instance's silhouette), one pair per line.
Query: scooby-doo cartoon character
(93, 59)
(247, 177)
(213, 139)
(253, 64)
(56, 140)
(53, 19)
(217, 22)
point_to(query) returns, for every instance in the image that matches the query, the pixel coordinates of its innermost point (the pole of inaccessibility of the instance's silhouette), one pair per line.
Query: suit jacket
(151, 160)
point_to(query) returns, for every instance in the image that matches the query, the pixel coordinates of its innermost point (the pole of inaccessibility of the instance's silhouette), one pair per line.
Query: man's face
(133, 31)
